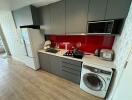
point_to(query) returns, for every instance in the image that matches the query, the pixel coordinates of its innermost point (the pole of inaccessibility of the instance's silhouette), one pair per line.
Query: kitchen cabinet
(63, 67)
(58, 17)
(45, 17)
(50, 63)
(117, 9)
(53, 18)
(71, 70)
(97, 9)
(45, 62)
(26, 16)
(55, 65)
(76, 16)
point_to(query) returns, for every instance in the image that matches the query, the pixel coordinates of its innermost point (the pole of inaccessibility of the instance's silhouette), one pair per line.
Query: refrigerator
(32, 40)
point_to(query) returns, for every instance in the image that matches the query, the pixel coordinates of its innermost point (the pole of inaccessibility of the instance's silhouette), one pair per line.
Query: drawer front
(70, 76)
(71, 66)
(72, 62)
(72, 71)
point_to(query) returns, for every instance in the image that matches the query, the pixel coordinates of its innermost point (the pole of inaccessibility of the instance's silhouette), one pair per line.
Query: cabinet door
(117, 9)
(76, 16)
(71, 70)
(45, 18)
(55, 65)
(23, 16)
(44, 60)
(58, 17)
(97, 9)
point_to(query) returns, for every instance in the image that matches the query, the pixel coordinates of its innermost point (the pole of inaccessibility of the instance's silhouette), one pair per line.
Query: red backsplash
(89, 43)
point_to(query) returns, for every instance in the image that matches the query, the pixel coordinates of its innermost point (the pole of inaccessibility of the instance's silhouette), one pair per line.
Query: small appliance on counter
(74, 53)
(105, 54)
(47, 44)
(78, 53)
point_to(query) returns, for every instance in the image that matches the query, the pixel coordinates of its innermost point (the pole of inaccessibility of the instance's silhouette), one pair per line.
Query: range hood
(31, 26)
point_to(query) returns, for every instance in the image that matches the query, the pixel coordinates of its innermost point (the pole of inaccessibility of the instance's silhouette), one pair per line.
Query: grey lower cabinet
(117, 9)
(63, 67)
(50, 63)
(76, 16)
(97, 10)
(71, 70)
(45, 62)
(55, 65)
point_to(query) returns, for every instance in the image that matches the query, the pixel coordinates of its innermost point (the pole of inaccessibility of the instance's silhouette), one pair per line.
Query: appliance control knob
(108, 79)
(96, 70)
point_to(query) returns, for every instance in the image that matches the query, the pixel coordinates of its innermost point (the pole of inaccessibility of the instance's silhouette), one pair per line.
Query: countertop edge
(85, 60)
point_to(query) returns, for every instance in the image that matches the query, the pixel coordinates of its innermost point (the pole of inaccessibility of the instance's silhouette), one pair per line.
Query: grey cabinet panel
(97, 9)
(71, 66)
(45, 17)
(70, 76)
(76, 16)
(44, 60)
(71, 70)
(117, 9)
(58, 17)
(72, 62)
(55, 65)
(26, 16)
(35, 15)
(23, 16)
(66, 68)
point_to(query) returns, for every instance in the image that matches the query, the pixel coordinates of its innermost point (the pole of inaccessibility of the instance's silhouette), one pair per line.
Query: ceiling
(15, 4)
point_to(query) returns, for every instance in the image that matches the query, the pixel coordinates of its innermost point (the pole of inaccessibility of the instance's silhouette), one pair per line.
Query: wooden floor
(18, 82)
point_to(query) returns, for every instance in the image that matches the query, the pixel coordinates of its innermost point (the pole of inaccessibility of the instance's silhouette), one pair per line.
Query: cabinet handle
(125, 65)
(70, 72)
(71, 68)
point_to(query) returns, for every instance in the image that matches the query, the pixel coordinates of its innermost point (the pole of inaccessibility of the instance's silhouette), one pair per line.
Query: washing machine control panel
(96, 70)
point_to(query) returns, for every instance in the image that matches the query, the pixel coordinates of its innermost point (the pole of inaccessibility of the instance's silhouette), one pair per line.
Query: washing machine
(95, 81)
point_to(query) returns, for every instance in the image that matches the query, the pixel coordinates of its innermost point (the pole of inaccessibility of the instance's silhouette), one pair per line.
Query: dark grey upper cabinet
(97, 9)
(45, 18)
(117, 9)
(26, 16)
(58, 17)
(76, 16)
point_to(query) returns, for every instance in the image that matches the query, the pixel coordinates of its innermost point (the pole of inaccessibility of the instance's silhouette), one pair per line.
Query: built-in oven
(105, 26)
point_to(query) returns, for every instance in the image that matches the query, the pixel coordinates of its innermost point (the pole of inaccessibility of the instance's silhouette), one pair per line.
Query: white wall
(12, 36)
(122, 47)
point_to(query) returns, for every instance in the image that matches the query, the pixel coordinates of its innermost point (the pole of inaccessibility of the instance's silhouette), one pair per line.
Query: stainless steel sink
(52, 50)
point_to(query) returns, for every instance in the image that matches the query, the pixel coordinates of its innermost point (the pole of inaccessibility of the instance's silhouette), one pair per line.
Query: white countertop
(60, 54)
(89, 60)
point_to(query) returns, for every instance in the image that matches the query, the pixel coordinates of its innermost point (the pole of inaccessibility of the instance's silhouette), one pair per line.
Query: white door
(27, 43)
(124, 89)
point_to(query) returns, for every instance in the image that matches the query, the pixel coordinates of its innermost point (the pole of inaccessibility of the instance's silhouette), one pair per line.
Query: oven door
(94, 82)
(100, 27)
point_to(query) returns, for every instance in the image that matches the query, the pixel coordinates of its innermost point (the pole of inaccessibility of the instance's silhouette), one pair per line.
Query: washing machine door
(94, 82)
